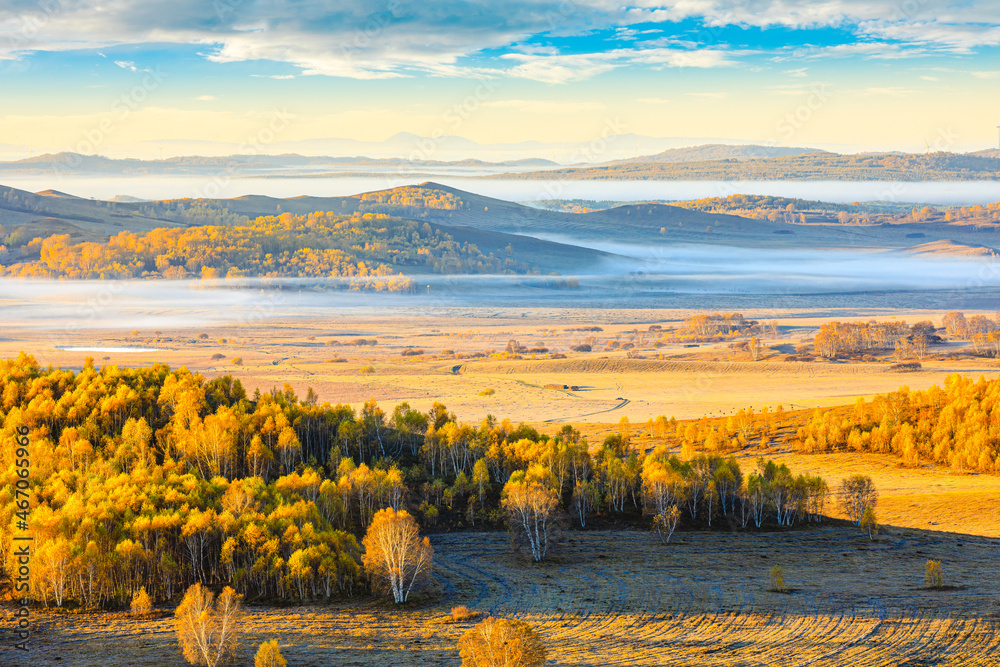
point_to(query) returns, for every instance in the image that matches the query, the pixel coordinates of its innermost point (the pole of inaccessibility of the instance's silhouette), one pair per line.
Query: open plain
(453, 355)
(605, 598)
(624, 598)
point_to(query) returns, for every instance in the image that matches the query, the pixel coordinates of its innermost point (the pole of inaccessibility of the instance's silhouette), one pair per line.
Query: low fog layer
(725, 269)
(703, 277)
(225, 185)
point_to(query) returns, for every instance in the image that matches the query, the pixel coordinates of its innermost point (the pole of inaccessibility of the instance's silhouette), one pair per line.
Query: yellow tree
(207, 629)
(396, 559)
(501, 642)
(269, 655)
(531, 507)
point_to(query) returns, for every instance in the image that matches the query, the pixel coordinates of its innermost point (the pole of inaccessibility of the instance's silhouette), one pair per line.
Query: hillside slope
(549, 239)
(811, 166)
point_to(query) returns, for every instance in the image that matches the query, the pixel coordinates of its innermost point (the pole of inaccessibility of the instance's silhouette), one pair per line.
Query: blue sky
(134, 76)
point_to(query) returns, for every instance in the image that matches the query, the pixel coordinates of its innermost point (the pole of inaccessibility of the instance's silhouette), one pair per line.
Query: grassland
(606, 598)
(623, 598)
(461, 349)
(687, 383)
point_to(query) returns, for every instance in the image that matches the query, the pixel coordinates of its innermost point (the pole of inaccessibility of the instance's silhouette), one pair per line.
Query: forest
(371, 248)
(957, 425)
(808, 166)
(862, 339)
(156, 479)
(802, 211)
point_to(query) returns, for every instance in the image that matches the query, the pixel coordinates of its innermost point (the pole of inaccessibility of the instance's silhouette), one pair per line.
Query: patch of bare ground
(623, 598)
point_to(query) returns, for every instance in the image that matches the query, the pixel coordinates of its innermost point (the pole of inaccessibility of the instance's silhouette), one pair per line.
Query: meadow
(623, 598)
(606, 596)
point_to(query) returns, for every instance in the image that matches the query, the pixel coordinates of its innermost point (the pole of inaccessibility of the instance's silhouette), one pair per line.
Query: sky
(151, 78)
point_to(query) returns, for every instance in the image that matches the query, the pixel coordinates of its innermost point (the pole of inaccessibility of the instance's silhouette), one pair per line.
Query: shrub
(237, 361)
(933, 577)
(203, 336)
(869, 523)
(462, 613)
(217, 356)
(666, 523)
(778, 579)
(362, 342)
(142, 604)
(368, 370)
(500, 641)
(269, 655)
(581, 348)
(411, 353)
(487, 392)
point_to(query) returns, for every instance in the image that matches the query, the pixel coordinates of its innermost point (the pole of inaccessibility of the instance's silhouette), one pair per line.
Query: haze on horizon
(150, 79)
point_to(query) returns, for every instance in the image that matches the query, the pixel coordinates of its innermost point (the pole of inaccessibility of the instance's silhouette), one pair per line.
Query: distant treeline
(809, 166)
(370, 247)
(957, 425)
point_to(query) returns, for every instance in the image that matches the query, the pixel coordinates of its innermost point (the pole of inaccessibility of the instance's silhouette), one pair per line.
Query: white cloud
(868, 50)
(376, 40)
(206, 98)
(127, 64)
(707, 96)
(578, 67)
(797, 73)
(279, 77)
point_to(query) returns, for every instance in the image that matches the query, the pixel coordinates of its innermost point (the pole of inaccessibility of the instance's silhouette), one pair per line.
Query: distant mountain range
(408, 146)
(724, 162)
(285, 165)
(719, 152)
(941, 166)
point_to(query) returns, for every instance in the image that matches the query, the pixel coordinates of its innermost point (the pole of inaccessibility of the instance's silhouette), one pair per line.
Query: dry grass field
(673, 380)
(623, 598)
(619, 598)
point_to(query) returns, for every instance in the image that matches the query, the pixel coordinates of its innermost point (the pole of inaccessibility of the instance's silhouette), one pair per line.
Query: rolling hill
(551, 241)
(284, 165)
(719, 152)
(804, 167)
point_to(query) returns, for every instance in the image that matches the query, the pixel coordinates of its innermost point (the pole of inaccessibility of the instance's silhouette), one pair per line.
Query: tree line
(955, 425)
(370, 247)
(156, 479)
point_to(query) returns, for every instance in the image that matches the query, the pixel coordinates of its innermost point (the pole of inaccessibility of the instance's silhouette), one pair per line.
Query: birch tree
(857, 495)
(395, 558)
(585, 498)
(531, 506)
(208, 629)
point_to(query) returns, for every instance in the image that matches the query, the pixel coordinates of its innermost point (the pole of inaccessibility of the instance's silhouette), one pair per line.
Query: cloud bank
(550, 41)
